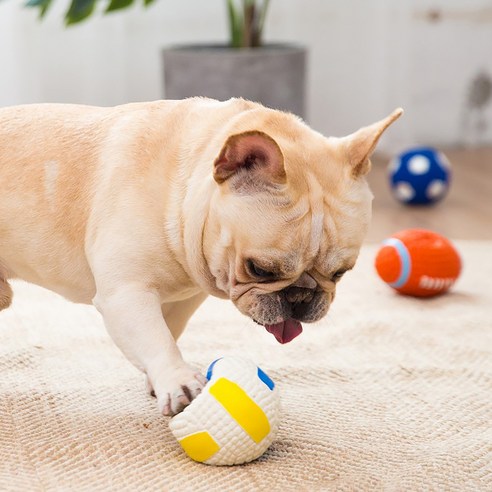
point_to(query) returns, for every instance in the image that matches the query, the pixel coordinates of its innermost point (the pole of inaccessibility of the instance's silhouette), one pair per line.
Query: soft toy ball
(234, 419)
(420, 176)
(418, 262)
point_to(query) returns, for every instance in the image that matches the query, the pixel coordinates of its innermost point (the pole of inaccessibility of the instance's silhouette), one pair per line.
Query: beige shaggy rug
(387, 393)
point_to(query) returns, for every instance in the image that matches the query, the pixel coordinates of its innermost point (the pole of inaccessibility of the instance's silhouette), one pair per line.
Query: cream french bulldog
(145, 209)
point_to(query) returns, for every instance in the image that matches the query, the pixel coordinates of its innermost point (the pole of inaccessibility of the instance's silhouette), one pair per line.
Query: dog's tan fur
(145, 209)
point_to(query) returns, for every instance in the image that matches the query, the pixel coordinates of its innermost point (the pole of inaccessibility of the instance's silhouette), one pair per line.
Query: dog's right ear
(254, 152)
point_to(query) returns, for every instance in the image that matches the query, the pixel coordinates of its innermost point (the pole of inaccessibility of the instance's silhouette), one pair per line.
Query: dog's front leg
(133, 318)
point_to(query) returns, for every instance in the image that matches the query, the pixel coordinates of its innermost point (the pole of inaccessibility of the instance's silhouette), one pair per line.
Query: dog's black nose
(298, 295)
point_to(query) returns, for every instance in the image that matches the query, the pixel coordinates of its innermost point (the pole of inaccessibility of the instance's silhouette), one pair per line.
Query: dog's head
(288, 218)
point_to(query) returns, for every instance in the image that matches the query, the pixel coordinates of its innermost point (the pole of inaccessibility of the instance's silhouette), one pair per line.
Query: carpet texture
(387, 393)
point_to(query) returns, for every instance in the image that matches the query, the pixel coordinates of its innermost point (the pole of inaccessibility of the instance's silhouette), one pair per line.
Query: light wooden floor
(465, 213)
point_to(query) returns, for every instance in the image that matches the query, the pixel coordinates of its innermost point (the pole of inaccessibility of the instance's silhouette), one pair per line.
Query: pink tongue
(285, 331)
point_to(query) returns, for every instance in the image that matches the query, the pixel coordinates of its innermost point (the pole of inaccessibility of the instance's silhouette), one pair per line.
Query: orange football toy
(418, 262)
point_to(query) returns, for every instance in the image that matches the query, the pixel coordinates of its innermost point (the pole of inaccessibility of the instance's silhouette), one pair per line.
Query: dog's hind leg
(5, 289)
(5, 294)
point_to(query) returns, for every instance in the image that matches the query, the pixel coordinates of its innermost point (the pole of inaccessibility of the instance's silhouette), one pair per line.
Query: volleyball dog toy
(418, 262)
(420, 176)
(234, 419)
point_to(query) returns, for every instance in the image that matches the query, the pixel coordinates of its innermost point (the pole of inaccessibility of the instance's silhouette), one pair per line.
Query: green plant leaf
(42, 4)
(235, 24)
(79, 10)
(254, 14)
(249, 9)
(118, 4)
(148, 2)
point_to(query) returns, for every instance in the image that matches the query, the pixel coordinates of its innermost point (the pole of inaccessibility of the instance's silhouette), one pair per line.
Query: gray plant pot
(274, 75)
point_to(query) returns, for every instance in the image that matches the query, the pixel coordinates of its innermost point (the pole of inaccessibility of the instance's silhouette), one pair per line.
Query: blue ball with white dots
(420, 176)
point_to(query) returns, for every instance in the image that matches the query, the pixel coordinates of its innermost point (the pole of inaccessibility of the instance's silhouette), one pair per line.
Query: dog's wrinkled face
(290, 218)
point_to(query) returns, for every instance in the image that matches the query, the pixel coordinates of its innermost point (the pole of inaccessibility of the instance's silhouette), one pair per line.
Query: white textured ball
(234, 419)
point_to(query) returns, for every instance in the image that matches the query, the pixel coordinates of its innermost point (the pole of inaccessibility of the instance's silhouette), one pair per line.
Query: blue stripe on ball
(266, 379)
(406, 262)
(210, 369)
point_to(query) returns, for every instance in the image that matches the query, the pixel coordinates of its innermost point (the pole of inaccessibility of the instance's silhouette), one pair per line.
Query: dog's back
(53, 158)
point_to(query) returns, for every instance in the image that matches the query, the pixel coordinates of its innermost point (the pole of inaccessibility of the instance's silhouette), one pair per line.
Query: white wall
(366, 57)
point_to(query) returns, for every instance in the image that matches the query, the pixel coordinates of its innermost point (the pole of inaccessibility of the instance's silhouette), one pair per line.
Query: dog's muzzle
(297, 302)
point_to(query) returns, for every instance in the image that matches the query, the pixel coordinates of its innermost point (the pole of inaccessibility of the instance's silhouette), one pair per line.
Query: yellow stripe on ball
(241, 408)
(200, 446)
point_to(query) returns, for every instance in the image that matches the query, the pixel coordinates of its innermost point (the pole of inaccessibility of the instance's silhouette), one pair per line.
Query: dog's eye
(337, 275)
(259, 272)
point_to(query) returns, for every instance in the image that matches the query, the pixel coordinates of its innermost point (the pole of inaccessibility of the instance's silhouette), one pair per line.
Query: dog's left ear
(254, 152)
(359, 146)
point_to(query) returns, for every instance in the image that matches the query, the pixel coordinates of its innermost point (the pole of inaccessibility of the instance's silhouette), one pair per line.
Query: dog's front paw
(177, 389)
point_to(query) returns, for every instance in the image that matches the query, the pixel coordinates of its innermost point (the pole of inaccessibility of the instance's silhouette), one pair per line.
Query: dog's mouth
(285, 331)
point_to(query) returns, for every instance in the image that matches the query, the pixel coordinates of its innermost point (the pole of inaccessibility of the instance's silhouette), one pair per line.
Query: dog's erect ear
(253, 151)
(359, 146)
